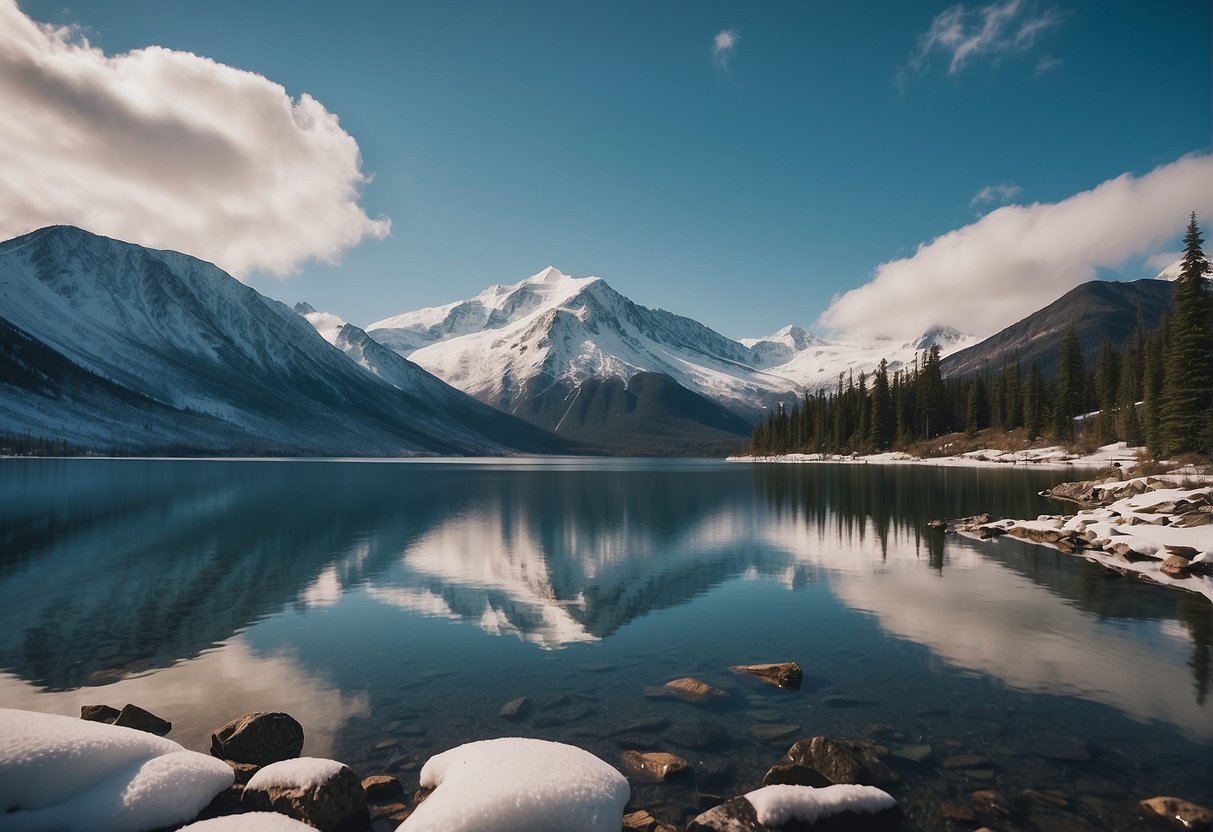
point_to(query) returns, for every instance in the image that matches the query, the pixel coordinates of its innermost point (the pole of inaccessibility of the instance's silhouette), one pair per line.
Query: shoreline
(1051, 457)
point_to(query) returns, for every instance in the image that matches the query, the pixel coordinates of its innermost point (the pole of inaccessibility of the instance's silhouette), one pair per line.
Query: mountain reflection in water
(115, 569)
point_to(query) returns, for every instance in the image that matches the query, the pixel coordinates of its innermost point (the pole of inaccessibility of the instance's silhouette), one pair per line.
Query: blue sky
(744, 188)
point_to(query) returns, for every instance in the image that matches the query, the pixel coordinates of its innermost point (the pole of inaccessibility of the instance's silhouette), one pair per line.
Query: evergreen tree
(882, 408)
(1127, 425)
(1107, 378)
(1032, 417)
(1069, 400)
(1151, 387)
(1188, 364)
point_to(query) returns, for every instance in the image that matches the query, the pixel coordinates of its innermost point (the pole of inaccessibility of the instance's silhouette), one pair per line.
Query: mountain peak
(549, 275)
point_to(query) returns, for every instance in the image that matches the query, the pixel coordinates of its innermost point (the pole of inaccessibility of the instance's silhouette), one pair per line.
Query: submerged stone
(781, 674)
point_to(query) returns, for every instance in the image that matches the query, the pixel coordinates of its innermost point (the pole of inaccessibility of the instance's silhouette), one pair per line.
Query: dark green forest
(1155, 389)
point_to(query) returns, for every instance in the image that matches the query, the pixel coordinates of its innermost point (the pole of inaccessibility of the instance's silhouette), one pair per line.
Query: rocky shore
(1156, 528)
(884, 779)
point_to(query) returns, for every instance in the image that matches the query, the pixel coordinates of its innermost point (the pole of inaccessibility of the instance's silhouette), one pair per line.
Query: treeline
(1156, 390)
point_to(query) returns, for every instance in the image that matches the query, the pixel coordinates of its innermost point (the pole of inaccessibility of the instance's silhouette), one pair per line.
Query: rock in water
(695, 691)
(98, 713)
(132, 716)
(382, 787)
(259, 738)
(654, 765)
(781, 675)
(842, 761)
(1180, 813)
(515, 708)
(325, 794)
(803, 808)
(794, 775)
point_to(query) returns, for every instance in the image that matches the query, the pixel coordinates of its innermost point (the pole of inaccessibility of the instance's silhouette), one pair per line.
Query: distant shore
(1052, 456)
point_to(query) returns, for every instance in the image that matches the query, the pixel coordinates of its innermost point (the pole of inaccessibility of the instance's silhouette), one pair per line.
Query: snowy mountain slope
(404, 375)
(189, 337)
(531, 347)
(815, 362)
(510, 342)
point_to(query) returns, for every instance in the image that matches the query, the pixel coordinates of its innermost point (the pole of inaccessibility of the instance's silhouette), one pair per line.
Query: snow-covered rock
(514, 784)
(325, 794)
(57, 772)
(778, 805)
(249, 822)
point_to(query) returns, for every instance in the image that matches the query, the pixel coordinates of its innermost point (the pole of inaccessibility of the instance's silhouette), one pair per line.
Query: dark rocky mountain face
(1100, 310)
(129, 349)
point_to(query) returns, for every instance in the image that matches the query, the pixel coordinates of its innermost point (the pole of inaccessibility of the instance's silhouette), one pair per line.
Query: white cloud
(995, 193)
(1162, 260)
(1014, 260)
(171, 150)
(993, 31)
(1046, 63)
(723, 46)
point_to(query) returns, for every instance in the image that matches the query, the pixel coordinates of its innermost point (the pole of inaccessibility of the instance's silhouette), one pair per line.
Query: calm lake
(394, 607)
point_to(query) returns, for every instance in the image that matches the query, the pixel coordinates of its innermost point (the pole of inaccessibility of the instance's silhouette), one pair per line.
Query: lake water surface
(393, 607)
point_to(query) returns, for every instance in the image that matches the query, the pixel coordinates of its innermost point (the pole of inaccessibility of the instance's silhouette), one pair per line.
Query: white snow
(514, 784)
(250, 822)
(57, 772)
(1114, 523)
(513, 340)
(298, 773)
(1052, 456)
(777, 805)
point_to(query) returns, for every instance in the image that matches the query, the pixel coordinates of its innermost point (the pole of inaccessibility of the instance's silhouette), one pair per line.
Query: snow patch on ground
(509, 784)
(57, 772)
(249, 822)
(778, 805)
(297, 773)
(1053, 456)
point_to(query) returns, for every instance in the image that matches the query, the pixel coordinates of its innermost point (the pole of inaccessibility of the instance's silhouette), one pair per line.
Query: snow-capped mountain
(511, 342)
(815, 363)
(532, 348)
(1171, 272)
(130, 347)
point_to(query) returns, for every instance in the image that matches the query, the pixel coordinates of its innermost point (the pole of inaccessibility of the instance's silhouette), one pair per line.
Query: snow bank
(1053, 456)
(514, 784)
(58, 772)
(777, 805)
(301, 773)
(249, 822)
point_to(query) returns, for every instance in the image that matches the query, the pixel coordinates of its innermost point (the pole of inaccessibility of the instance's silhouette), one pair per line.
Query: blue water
(394, 607)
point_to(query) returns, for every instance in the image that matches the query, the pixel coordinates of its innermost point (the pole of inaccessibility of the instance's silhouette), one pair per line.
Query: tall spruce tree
(1069, 401)
(1128, 427)
(1033, 419)
(882, 408)
(1187, 396)
(1151, 387)
(1107, 378)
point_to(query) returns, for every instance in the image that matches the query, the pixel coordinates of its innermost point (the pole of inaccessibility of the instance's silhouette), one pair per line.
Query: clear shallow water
(394, 607)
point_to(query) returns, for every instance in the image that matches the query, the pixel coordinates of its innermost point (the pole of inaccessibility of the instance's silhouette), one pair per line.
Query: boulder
(1176, 567)
(739, 815)
(794, 775)
(643, 821)
(381, 787)
(98, 713)
(841, 761)
(1178, 812)
(654, 765)
(132, 716)
(259, 738)
(695, 691)
(325, 794)
(782, 675)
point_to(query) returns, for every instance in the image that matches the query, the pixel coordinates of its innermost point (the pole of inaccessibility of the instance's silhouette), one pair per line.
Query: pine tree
(1069, 401)
(1032, 417)
(1107, 377)
(1188, 365)
(1151, 387)
(882, 408)
(1127, 425)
